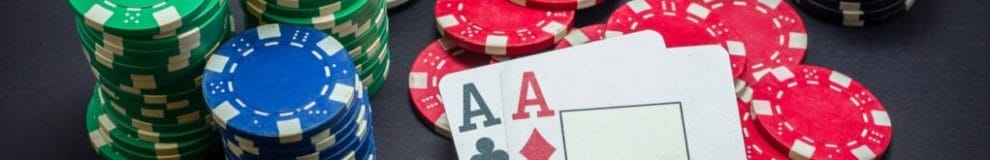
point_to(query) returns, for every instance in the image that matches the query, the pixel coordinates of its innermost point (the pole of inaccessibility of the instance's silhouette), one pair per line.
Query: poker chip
(360, 25)
(138, 18)
(433, 63)
(112, 141)
(854, 13)
(557, 4)
(774, 32)
(583, 35)
(470, 25)
(812, 112)
(757, 147)
(148, 58)
(284, 91)
(681, 23)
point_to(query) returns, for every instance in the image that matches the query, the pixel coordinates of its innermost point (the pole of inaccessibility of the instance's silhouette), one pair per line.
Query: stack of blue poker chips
(288, 92)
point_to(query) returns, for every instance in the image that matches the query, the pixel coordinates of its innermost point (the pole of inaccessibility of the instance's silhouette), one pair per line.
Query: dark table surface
(930, 68)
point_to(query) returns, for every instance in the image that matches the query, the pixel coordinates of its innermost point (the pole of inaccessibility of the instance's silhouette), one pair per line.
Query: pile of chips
(854, 13)
(786, 107)
(788, 110)
(361, 25)
(283, 91)
(148, 58)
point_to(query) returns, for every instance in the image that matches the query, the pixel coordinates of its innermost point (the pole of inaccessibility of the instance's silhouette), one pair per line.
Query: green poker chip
(136, 145)
(314, 11)
(370, 48)
(164, 101)
(176, 67)
(160, 128)
(107, 143)
(137, 17)
(190, 111)
(165, 43)
(159, 102)
(379, 81)
(302, 4)
(151, 83)
(340, 25)
(377, 29)
(161, 51)
(100, 140)
(161, 136)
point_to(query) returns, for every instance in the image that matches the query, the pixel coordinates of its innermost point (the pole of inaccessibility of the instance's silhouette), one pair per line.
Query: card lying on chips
(623, 98)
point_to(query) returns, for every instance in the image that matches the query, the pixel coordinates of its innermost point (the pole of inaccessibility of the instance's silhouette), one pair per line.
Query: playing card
(472, 101)
(622, 103)
(472, 98)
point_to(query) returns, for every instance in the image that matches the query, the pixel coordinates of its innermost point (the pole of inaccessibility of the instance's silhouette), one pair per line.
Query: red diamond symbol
(537, 148)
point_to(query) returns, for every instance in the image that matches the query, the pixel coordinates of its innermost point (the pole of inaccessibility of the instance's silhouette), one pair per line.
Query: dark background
(930, 68)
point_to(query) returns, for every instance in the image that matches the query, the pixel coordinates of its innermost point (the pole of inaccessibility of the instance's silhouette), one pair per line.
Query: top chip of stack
(557, 4)
(845, 120)
(855, 13)
(771, 32)
(147, 57)
(360, 25)
(288, 92)
(470, 25)
(684, 23)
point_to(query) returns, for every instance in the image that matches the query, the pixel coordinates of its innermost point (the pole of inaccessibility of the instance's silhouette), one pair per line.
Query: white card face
(623, 104)
(472, 135)
(478, 89)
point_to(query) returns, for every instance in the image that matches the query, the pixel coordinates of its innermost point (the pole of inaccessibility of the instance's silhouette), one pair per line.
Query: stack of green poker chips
(148, 58)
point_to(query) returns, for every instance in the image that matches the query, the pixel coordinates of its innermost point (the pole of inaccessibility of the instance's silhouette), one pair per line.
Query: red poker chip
(775, 34)
(815, 113)
(681, 23)
(557, 4)
(499, 27)
(435, 61)
(583, 35)
(757, 147)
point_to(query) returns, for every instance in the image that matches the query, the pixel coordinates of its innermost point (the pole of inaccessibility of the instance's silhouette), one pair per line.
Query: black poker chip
(854, 13)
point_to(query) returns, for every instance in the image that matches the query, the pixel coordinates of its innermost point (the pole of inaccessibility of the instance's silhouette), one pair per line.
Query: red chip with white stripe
(557, 4)
(582, 35)
(681, 23)
(499, 27)
(775, 34)
(757, 147)
(816, 113)
(435, 61)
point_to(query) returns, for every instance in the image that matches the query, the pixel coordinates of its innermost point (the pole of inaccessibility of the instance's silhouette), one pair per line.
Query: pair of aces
(626, 97)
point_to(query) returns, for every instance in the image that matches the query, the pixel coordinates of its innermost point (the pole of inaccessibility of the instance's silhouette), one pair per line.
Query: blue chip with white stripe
(327, 141)
(340, 143)
(280, 84)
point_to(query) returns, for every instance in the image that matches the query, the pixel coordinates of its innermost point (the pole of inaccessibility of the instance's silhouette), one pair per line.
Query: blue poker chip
(280, 84)
(368, 152)
(332, 142)
(347, 144)
(313, 142)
